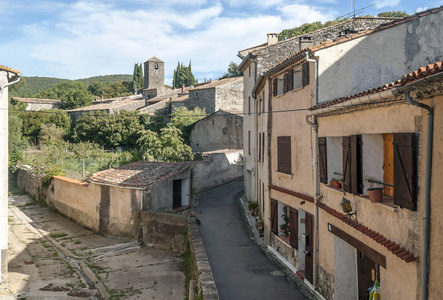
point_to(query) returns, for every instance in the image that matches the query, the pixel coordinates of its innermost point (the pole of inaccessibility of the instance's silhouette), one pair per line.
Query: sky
(75, 39)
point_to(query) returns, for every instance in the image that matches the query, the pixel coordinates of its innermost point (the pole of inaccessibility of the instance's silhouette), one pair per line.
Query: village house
(354, 117)
(8, 77)
(38, 104)
(259, 59)
(107, 202)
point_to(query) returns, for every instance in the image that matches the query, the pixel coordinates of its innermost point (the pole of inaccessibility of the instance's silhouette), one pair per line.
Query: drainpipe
(8, 84)
(427, 195)
(314, 127)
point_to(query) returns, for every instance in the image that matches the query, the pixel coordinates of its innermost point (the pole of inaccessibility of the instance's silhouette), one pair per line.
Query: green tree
(137, 77)
(233, 71)
(50, 135)
(184, 119)
(172, 146)
(306, 28)
(73, 94)
(183, 75)
(393, 14)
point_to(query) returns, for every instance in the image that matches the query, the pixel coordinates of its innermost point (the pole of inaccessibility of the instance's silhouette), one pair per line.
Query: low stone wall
(32, 184)
(285, 250)
(216, 169)
(161, 230)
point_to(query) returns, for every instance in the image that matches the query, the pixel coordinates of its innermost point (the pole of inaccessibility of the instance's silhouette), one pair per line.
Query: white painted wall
(334, 153)
(3, 174)
(372, 160)
(345, 270)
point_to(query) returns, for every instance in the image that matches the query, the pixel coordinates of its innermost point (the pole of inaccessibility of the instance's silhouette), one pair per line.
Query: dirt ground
(52, 257)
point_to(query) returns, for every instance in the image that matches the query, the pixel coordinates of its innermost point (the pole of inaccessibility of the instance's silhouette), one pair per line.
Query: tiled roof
(155, 59)
(109, 105)
(8, 69)
(395, 248)
(139, 174)
(38, 100)
(421, 73)
(216, 83)
(181, 98)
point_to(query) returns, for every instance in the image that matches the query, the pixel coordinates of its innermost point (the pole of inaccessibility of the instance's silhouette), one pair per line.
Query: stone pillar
(3, 178)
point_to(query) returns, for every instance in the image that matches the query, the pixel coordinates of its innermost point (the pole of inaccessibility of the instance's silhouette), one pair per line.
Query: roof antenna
(356, 12)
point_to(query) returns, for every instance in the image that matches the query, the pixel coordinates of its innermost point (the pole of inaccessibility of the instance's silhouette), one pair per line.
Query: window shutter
(290, 80)
(274, 87)
(293, 221)
(356, 164)
(263, 146)
(274, 217)
(284, 154)
(305, 74)
(285, 83)
(404, 171)
(259, 147)
(346, 164)
(323, 163)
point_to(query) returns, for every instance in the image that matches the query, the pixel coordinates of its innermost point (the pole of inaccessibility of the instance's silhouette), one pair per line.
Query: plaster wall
(216, 169)
(159, 194)
(301, 179)
(3, 178)
(379, 58)
(225, 130)
(345, 270)
(229, 96)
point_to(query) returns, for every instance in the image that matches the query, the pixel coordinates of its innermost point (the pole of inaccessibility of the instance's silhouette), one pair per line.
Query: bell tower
(154, 73)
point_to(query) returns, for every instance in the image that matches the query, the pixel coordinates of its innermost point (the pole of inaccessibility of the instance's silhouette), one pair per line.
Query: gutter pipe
(427, 195)
(9, 83)
(314, 127)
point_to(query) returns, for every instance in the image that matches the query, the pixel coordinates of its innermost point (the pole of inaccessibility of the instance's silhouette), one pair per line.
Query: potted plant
(252, 206)
(375, 193)
(285, 228)
(335, 183)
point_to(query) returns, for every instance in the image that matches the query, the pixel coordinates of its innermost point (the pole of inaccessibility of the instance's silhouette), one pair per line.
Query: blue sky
(77, 39)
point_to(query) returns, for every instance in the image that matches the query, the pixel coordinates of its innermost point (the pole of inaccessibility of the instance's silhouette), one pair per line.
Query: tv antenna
(356, 11)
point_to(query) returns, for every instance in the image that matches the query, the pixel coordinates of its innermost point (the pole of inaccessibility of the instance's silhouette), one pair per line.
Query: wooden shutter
(356, 164)
(249, 142)
(274, 217)
(274, 87)
(305, 74)
(346, 164)
(285, 83)
(259, 146)
(263, 147)
(404, 171)
(293, 221)
(284, 154)
(249, 105)
(323, 163)
(290, 80)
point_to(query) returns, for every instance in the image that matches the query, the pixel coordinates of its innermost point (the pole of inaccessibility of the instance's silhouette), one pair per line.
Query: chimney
(272, 38)
(183, 87)
(305, 42)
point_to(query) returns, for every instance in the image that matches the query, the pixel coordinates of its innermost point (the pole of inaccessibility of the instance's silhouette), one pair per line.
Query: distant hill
(30, 86)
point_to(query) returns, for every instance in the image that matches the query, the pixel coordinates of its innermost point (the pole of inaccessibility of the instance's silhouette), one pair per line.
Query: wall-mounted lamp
(347, 207)
(303, 202)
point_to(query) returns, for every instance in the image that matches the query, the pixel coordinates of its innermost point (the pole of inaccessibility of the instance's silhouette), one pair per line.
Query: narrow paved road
(240, 269)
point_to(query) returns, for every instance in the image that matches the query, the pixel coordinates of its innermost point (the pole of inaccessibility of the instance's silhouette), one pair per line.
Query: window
(405, 194)
(298, 79)
(322, 160)
(263, 146)
(274, 87)
(284, 154)
(305, 74)
(156, 66)
(249, 105)
(249, 142)
(263, 96)
(274, 216)
(249, 70)
(352, 164)
(288, 82)
(293, 221)
(259, 147)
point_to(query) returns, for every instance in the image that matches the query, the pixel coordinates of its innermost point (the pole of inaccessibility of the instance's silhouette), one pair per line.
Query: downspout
(427, 195)
(314, 127)
(8, 84)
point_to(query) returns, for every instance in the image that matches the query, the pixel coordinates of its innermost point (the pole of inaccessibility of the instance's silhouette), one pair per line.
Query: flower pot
(335, 184)
(253, 211)
(375, 195)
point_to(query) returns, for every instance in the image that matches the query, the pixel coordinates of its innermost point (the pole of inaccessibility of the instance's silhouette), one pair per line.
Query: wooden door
(367, 272)
(176, 193)
(388, 164)
(309, 247)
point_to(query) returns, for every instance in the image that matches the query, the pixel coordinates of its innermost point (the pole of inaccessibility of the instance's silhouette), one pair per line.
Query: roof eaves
(8, 69)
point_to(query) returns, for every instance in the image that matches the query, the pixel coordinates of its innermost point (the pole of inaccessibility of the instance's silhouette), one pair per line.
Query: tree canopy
(183, 75)
(73, 94)
(233, 71)
(137, 77)
(393, 14)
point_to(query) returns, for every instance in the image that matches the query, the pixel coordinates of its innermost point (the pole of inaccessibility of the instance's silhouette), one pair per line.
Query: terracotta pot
(336, 184)
(375, 195)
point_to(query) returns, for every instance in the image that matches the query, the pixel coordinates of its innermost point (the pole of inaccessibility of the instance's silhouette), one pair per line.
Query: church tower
(154, 74)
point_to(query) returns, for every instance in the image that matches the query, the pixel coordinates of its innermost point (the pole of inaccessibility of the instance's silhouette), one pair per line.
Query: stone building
(154, 84)
(224, 94)
(343, 110)
(39, 104)
(224, 128)
(8, 77)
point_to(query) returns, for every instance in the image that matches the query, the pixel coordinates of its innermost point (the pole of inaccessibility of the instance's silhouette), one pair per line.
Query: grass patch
(58, 235)
(77, 242)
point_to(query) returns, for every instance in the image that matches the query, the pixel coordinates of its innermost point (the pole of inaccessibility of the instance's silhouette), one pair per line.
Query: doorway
(367, 273)
(177, 193)
(309, 246)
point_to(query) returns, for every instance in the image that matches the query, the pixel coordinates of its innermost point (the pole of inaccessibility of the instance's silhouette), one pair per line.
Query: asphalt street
(240, 269)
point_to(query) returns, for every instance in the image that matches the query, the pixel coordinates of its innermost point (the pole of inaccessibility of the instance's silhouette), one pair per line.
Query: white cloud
(420, 9)
(302, 13)
(386, 3)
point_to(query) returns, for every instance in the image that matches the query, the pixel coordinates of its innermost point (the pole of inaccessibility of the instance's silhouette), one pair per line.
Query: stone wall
(325, 284)
(40, 106)
(229, 96)
(216, 169)
(225, 130)
(129, 106)
(285, 249)
(154, 107)
(166, 231)
(204, 99)
(32, 184)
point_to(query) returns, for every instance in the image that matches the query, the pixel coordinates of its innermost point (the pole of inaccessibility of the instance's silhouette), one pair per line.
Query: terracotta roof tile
(391, 246)
(37, 100)
(421, 73)
(8, 69)
(139, 174)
